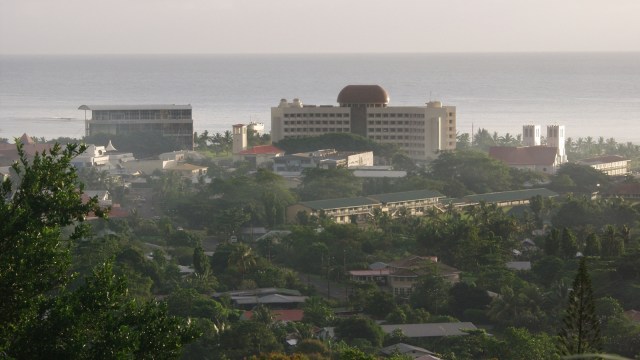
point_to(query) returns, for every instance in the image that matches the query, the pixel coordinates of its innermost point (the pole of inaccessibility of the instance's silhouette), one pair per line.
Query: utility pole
(328, 279)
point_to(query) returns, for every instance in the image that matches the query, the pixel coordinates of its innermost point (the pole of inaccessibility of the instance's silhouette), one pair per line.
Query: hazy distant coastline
(593, 94)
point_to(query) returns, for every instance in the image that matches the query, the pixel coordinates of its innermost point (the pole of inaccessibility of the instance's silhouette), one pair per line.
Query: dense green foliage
(581, 331)
(42, 216)
(136, 260)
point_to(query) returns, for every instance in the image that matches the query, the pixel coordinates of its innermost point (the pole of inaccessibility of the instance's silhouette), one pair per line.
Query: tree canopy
(42, 214)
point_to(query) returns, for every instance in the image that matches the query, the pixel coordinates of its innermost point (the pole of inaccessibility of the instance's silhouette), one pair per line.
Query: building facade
(534, 156)
(358, 210)
(172, 121)
(294, 164)
(420, 131)
(612, 165)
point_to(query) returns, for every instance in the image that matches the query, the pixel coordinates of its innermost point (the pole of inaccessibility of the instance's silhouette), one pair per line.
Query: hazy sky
(305, 26)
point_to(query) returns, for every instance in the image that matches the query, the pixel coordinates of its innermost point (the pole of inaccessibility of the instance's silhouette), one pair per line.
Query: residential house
(401, 276)
(405, 273)
(270, 297)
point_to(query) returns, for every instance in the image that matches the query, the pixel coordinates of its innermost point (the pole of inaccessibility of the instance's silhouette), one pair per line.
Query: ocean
(592, 94)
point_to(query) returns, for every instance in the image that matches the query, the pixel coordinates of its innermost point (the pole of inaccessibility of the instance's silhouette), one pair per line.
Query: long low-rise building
(359, 209)
(506, 198)
(612, 165)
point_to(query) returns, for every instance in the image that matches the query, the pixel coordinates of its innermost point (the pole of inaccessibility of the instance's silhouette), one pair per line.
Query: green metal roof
(372, 199)
(407, 196)
(509, 195)
(338, 203)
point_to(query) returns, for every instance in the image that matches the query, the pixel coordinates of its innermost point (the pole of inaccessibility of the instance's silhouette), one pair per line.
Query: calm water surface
(592, 94)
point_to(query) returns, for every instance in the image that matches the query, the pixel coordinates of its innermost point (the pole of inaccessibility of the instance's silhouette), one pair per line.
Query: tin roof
(528, 155)
(136, 107)
(262, 150)
(507, 196)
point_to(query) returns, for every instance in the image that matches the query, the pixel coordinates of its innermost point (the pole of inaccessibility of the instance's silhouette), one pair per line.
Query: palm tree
(243, 258)
(227, 141)
(217, 142)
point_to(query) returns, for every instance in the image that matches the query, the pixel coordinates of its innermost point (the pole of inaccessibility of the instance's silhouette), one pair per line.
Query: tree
(201, 262)
(317, 312)
(585, 178)
(34, 258)
(359, 327)
(102, 315)
(242, 257)
(379, 304)
(592, 246)
(612, 245)
(320, 184)
(552, 242)
(465, 296)
(568, 243)
(475, 171)
(247, 338)
(581, 329)
(41, 317)
(431, 293)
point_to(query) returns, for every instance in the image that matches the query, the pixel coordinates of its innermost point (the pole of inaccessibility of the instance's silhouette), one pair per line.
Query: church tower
(531, 135)
(556, 138)
(239, 138)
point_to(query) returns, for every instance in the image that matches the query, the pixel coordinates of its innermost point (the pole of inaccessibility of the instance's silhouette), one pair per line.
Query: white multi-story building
(420, 131)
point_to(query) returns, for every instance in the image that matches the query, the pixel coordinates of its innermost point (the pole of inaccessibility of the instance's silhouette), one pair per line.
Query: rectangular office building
(172, 121)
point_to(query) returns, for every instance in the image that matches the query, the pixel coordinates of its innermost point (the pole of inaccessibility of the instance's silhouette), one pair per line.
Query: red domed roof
(363, 94)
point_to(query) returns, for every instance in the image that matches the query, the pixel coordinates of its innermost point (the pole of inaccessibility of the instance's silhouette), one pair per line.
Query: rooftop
(338, 203)
(602, 159)
(508, 196)
(372, 199)
(136, 107)
(407, 196)
(262, 150)
(430, 329)
(528, 155)
(363, 94)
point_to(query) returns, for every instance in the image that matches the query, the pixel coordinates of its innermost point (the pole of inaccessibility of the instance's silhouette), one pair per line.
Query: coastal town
(359, 228)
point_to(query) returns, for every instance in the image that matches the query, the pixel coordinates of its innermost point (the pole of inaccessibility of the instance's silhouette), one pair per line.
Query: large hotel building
(420, 131)
(172, 121)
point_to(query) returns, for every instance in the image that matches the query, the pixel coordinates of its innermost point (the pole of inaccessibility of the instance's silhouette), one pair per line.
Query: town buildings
(294, 164)
(360, 209)
(612, 165)
(258, 155)
(401, 276)
(420, 131)
(172, 121)
(534, 156)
